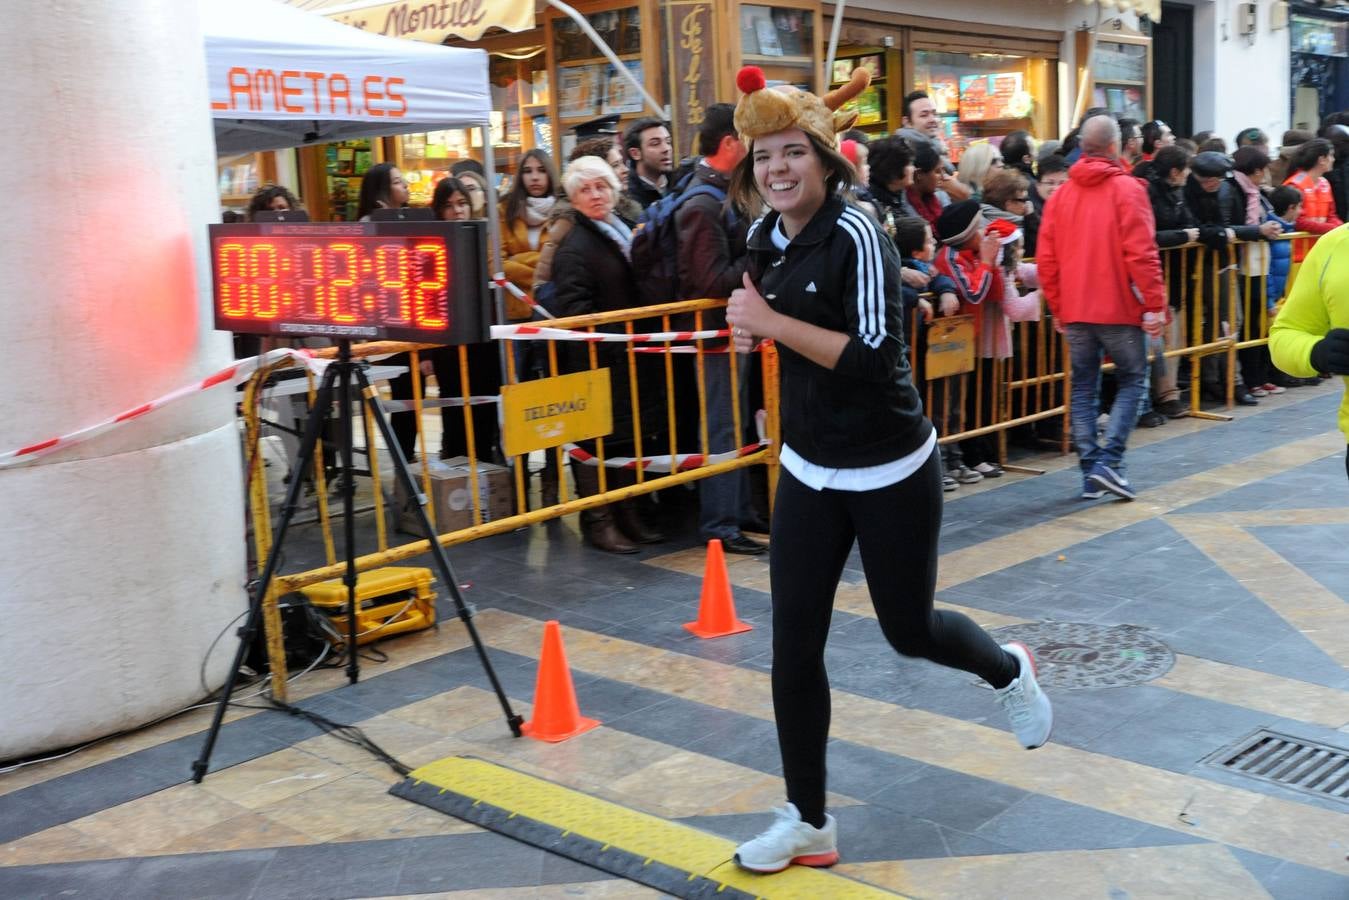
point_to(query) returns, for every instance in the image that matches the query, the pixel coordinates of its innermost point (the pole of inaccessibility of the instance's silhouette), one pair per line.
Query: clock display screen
(400, 280)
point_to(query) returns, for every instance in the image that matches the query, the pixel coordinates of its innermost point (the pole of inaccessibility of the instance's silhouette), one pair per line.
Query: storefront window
(1121, 73)
(346, 162)
(780, 40)
(519, 122)
(239, 178)
(985, 94)
(588, 84)
(1320, 36)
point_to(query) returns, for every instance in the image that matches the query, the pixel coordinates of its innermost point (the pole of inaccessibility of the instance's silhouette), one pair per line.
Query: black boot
(548, 481)
(597, 525)
(629, 520)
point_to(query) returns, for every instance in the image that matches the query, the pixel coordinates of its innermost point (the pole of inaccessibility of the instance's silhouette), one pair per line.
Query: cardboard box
(452, 498)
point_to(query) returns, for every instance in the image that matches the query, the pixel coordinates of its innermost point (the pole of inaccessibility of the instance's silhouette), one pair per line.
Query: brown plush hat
(764, 110)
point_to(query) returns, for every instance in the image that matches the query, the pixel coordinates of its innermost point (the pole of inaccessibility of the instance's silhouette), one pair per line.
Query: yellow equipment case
(389, 601)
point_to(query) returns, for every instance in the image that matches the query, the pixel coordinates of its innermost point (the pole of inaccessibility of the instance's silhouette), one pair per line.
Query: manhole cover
(1080, 655)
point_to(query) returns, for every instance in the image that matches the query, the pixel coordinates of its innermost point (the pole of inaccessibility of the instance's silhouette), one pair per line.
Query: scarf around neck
(617, 231)
(537, 210)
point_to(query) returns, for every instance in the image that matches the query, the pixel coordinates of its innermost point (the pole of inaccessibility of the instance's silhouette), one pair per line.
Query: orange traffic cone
(716, 609)
(556, 715)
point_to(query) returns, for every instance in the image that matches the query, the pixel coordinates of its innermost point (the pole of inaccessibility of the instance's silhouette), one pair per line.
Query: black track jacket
(842, 273)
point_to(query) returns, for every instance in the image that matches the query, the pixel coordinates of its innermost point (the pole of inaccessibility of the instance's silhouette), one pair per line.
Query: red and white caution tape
(662, 464)
(543, 333)
(502, 282)
(234, 374)
(680, 462)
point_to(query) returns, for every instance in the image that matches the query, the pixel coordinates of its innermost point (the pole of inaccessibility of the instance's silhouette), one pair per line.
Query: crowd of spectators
(967, 223)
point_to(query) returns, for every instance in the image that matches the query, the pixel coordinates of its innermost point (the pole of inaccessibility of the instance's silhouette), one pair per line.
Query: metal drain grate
(1306, 766)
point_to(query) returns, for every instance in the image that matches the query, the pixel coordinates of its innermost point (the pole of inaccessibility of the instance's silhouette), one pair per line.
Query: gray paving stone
(96, 880)
(1290, 881)
(952, 799)
(207, 876)
(1040, 823)
(870, 833)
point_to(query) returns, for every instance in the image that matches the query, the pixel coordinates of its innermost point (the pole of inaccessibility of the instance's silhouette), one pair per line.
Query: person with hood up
(1102, 278)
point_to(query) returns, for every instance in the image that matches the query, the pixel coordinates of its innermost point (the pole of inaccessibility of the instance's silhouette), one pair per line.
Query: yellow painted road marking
(1190, 870)
(1320, 615)
(1251, 689)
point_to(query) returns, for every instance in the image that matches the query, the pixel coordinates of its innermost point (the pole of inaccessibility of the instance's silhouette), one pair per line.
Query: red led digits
(342, 290)
(229, 266)
(301, 282)
(308, 263)
(265, 292)
(430, 304)
(391, 271)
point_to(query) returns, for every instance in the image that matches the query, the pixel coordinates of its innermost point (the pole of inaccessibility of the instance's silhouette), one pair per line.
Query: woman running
(859, 460)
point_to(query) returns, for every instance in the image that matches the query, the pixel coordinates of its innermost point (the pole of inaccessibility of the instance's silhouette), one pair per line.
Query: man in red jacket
(1101, 275)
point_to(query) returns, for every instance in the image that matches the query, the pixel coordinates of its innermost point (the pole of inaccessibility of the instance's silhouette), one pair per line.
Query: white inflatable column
(123, 558)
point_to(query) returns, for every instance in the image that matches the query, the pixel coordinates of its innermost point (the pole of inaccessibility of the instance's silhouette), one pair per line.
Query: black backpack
(655, 244)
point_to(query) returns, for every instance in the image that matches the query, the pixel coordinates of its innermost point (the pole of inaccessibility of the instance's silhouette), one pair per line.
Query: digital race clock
(410, 281)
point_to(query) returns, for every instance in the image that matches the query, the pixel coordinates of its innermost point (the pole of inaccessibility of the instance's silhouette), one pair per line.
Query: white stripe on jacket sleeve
(870, 277)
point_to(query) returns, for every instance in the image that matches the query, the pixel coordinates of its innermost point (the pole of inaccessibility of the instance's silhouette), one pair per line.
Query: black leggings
(896, 528)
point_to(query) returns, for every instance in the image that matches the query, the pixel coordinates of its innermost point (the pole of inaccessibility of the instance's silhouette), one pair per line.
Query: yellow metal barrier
(650, 381)
(1033, 384)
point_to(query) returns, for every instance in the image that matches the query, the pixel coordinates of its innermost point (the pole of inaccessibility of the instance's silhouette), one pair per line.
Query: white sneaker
(790, 840)
(1027, 706)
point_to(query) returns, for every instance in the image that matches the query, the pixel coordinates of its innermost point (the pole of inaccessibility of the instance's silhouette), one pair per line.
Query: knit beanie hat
(849, 150)
(764, 110)
(958, 222)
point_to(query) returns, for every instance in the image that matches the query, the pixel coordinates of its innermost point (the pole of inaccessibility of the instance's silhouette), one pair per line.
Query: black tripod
(343, 373)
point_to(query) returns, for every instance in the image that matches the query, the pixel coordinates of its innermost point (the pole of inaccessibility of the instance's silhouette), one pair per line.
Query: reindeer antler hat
(764, 110)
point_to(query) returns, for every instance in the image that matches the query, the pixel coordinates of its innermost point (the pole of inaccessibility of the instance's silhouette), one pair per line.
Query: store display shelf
(1122, 82)
(762, 60)
(595, 60)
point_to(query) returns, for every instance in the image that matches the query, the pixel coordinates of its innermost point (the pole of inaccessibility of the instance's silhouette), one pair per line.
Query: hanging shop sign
(691, 53)
(434, 21)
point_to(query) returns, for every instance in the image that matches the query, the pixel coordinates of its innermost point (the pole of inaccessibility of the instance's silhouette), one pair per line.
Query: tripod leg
(348, 506)
(313, 426)
(446, 572)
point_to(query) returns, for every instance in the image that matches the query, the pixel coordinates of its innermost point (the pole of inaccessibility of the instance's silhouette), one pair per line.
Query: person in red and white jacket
(969, 257)
(1101, 276)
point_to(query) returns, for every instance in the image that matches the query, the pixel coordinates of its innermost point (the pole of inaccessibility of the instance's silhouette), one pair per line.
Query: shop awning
(422, 21)
(1150, 8)
(281, 77)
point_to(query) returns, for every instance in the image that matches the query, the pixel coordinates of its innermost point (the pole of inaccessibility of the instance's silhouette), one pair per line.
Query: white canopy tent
(283, 77)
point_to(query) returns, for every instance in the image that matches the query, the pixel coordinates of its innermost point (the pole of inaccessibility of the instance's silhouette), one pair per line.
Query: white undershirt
(865, 478)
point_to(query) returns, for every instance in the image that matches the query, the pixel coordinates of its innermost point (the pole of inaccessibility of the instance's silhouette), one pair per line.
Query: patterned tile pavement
(1234, 557)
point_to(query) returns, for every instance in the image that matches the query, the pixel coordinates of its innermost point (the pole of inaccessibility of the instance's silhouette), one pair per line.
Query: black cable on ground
(349, 733)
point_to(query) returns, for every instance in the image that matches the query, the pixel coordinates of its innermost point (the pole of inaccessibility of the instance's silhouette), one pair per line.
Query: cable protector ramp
(670, 857)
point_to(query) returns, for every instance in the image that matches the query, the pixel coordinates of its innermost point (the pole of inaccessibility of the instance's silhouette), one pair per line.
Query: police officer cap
(1210, 164)
(596, 127)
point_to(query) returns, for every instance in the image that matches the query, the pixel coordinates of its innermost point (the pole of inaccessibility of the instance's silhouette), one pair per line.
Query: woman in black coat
(591, 273)
(1166, 176)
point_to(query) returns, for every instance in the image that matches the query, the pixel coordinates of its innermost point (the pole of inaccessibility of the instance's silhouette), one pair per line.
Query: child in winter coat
(1287, 206)
(969, 257)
